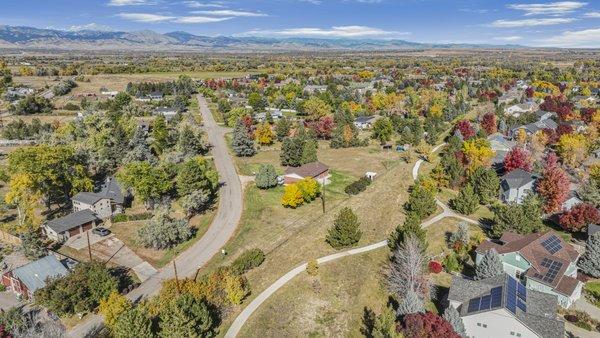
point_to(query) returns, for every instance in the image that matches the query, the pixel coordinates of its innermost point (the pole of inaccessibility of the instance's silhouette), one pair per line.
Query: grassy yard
(328, 305)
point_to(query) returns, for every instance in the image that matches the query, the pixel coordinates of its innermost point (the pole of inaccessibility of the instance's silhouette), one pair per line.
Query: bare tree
(408, 270)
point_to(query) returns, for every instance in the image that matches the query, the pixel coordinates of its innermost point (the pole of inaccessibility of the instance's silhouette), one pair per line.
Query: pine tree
(411, 303)
(160, 134)
(411, 227)
(266, 177)
(590, 262)
(309, 151)
(291, 152)
(242, 144)
(139, 148)
(420, 201)
(461, 236)
(485, 184)
(489, 266)
(452, 316)
(466, 202)
(345, 231)
(185, 316)
(32, 245)
(282, 128)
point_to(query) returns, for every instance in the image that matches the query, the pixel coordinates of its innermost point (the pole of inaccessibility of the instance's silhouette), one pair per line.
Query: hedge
(357, 187)
(248, 260)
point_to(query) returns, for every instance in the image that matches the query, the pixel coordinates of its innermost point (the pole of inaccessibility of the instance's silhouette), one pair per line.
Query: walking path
(221, 229)
(241, 319)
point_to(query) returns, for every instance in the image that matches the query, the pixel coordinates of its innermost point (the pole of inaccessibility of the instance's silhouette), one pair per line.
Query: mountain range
(20, 37)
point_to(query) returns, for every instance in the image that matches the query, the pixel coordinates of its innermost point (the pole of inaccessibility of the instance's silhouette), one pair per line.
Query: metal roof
(71, 221)
(35, 274)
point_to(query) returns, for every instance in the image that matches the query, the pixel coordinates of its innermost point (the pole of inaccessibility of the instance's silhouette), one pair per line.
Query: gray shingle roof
(71, 221)
(540, 316)
(35, 274)
(87, 197)
(111, 189)
(518, 178)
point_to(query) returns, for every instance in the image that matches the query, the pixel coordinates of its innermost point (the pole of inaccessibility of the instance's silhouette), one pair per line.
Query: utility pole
(89, 247)
(323, 195)
(176, 277)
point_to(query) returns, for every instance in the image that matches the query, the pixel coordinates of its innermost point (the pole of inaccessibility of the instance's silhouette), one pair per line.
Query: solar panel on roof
(521, 291)
(552, 244)
(553, 269)
(496, 294)
(516, 295)
(485, 302)
(521, 305)
(474, 305)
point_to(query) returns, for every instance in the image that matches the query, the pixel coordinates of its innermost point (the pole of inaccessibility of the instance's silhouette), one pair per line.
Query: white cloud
(145, 17)
(552, 8)
(129, 2)
(508, 38)
(531, 22)
(592, 15)
(200, 19)
(334, 32)
(588, 38)
(157, 18)
(229, 12)
(90, 26)
(198, 4)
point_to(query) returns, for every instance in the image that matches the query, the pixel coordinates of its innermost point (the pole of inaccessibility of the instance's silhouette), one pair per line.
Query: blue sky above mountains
(536, 23)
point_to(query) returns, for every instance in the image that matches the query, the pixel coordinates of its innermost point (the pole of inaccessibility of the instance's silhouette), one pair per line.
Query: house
(502, 307)
(316, 170)
(106, 203)
(313, 89)
(365, 122)
(521, 108)
(532, 128)
(109, 93)
(510, 96)
(154, 96)
(275, 115)
(501, 146)
(62, 228)
(543, 261)
(592, 229)
(167, 112)
(571, 201)
(26, 279)
(516, 185)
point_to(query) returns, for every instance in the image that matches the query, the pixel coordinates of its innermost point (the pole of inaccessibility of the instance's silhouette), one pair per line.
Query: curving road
(221, 229)
(241, 319)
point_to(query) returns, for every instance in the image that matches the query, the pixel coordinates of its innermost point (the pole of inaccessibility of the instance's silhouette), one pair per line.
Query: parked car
(100, 231)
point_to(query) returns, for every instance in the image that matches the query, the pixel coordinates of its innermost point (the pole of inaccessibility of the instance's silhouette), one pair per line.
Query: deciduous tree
(579, 217)
(553, 186)
(517, 158)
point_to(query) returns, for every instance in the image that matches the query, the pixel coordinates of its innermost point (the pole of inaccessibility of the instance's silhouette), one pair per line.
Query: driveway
(221, 229)
(113, 249)
(8, 300)
(80, 241)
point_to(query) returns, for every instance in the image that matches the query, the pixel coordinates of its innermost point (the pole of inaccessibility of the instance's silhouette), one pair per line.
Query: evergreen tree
(196, 174)
(133, 324)
(411, 227)
(452, 316)
(160, 134)
(139, 148)
(242, 144)
(266, 177)
(485, 184)
(309, 151)
(190, 142)
(345, 231)
(381, 326)
(489, 266)
(466, 202)
(590, 262)
(196, 202)
(461, 236)
(32, 245)
(522, 218)
(291, 152)
(185, 316)
(421, 202)
(411, 303)
(282, 128)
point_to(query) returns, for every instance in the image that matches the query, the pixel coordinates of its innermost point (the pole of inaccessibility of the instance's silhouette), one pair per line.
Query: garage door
(74, 232)
(87, 227)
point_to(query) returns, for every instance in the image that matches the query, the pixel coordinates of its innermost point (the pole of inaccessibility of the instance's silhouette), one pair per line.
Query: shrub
(163, 232)
(309, 188)
(312, 268)
(128, 218)
(71, 106)
(248, 260)
(451, 262)
(358, 186)
(571, 318)
(435, 267)
(292, 196)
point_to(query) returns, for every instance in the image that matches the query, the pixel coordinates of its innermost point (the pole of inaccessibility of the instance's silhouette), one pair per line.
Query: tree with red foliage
(466, 129)
(563, 129)
(551, 134)
(565, 113)
(578, 217)
(529, 92)
(553, 187)
(427, 325)
(435, 267)
(587, 114)
(324, 127)
(489, 123)
(517, 158)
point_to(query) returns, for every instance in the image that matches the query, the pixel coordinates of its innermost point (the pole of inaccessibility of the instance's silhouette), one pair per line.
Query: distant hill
(35, 38)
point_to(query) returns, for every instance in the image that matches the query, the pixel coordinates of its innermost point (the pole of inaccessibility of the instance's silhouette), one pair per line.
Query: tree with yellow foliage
(478, 153)
(264, 134)
(521, 136)
(292, 196)
(572, 149)
(26, 71)
(21, 194)
(310, 188)
(113, 306)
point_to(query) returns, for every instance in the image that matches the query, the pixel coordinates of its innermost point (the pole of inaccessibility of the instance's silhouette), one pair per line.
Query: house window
(484, 325)
(512, 333)
(518, 335)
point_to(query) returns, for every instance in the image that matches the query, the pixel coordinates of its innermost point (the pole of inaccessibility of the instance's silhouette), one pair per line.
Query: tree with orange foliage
(553, 187)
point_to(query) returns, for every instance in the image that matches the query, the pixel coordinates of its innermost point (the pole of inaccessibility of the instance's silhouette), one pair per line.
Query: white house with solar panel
(541, 261)
(503, 307)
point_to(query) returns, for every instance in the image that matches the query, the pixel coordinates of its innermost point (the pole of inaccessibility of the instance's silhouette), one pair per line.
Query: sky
(536, 23)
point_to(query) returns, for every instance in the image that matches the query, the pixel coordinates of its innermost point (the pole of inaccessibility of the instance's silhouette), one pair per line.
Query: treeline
(184, 85)
(20, 130)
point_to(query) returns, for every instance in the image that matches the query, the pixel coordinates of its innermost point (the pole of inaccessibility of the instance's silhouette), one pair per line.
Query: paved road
(221, 229)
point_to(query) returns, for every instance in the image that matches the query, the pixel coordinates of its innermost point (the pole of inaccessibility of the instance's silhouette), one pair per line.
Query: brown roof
(312, 169)
(530, 247)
